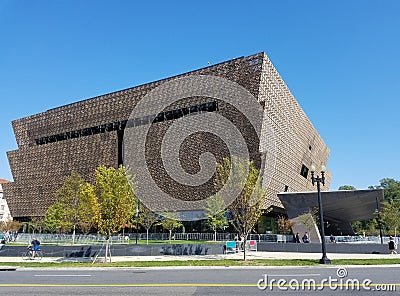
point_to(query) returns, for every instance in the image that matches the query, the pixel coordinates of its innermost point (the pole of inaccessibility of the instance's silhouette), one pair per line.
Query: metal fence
(221, 237)
(61, 239)
(124, 238)
(361, 239)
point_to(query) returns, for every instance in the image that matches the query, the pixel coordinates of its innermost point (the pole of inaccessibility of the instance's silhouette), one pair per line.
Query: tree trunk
(170, 236)
(73, 235)
(215, 235)
(107, 248)
(147, 236)
(244, 248)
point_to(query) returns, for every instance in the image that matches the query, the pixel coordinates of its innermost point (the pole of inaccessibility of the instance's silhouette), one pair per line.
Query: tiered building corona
(81, 136)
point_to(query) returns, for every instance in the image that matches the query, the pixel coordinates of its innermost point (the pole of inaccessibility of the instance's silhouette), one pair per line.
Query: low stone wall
(192, 249)
(330, 248)
(120, 250)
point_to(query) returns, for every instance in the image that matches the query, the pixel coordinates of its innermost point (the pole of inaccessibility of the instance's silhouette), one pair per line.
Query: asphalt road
(203, 281)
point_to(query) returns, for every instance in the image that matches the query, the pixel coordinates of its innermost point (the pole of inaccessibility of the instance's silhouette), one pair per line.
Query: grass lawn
(226, 262)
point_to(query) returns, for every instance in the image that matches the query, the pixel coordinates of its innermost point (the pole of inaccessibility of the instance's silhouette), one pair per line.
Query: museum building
(81, 136)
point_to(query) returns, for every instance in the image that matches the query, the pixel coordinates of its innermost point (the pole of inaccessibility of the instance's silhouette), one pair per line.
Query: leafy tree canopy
(390, 215)
(347, 187)
(116, 198)
(246, 209)
(170, 221)
(391, 188)
(75, 205)
(215, 212)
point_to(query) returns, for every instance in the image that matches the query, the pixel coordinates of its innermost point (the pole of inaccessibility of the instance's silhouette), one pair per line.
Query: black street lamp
(319, 180)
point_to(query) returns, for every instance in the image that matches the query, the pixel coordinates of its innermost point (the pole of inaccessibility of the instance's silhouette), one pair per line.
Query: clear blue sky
(340, 59)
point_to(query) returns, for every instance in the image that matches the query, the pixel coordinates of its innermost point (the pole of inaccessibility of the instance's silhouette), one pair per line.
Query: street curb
(201, 267)
(8, 268)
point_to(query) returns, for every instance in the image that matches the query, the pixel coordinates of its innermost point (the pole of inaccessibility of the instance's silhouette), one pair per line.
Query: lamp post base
(324, 260)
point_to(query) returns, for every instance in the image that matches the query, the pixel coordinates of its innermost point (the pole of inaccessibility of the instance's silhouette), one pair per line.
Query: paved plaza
(238, 256)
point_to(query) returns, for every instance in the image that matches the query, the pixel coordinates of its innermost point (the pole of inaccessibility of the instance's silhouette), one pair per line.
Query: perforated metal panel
(83, 135)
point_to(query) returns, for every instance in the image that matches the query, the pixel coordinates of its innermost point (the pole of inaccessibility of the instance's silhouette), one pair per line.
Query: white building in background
(4, 210)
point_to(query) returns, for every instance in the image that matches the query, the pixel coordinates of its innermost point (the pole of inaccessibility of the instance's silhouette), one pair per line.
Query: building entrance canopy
(342, 207)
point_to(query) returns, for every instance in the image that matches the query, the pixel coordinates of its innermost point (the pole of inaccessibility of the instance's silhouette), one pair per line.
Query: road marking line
(304, 274)
(62, 275)
(128, 285)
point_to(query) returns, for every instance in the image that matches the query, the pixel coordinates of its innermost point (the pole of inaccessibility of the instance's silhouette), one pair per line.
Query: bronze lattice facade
(81, 136)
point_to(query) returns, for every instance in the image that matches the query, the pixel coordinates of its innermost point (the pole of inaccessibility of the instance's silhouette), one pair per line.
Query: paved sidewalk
(250, 255)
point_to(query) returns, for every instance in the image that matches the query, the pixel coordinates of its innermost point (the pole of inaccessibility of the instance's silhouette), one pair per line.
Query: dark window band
(121, 125)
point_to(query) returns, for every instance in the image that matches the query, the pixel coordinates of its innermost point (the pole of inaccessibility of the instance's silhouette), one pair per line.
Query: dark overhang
(338, 206)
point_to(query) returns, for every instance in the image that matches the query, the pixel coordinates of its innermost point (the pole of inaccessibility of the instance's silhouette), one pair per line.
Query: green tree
(215, 212)
(3, 226)
(37, 224)
(170, 221)
(75, 206)
(116, 199)
(14, 225)
(55, 221)
(87, 209)
(347, 187)
(367, 227)
(245, 210)
(391, 188)
(390, 214)
(391, 191)
(285, 225)
(147, 218)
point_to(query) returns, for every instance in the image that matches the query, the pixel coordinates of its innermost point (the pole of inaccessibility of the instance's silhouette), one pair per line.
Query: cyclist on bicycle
(35, 245)
(2, 243)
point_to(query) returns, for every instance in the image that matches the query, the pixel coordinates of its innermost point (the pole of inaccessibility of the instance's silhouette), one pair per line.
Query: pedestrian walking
(2, 243)
(392, 246)
(15, 235)
(297, 238)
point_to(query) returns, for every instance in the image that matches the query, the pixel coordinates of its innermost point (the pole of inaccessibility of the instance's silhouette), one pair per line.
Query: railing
(360, 239)
(221, 237)
(61, 239)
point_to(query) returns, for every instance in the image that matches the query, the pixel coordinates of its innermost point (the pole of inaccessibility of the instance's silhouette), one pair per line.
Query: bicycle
(28, 255)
